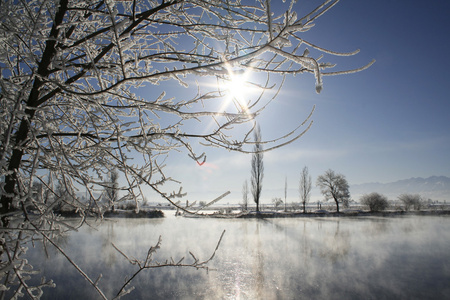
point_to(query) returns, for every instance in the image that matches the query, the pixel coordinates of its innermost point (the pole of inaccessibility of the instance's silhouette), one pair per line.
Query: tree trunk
(20, 138)
(337, 205)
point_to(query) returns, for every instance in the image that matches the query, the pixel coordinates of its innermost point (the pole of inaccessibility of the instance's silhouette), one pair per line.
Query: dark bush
(375, 201)
(132, 214)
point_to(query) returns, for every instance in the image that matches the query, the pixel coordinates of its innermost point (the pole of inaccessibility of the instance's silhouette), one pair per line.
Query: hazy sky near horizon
(387, 123)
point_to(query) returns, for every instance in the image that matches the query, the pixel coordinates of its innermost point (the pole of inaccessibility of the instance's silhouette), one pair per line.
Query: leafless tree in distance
(334, 186)
(245, 195)
(375, 201)
(257, 167)
(409, 201)
(277, 202)
(112, 189)
(305, 187)
(285, 192)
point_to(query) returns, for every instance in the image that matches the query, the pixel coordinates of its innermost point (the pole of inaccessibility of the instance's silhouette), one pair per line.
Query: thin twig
(143, 265)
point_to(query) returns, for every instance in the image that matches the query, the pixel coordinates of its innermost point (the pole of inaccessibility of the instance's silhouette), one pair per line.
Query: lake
(405, 257)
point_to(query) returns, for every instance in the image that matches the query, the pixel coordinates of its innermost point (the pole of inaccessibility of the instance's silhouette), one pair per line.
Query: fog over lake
(292, 258)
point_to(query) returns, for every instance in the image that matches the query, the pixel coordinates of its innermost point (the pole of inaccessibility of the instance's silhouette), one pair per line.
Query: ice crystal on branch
(72, 75)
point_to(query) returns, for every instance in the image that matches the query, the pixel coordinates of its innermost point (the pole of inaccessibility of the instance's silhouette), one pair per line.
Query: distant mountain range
(434, 187)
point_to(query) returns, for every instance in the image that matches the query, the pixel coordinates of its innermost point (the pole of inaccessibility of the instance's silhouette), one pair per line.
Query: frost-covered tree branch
(150, 263)
(85, 89)
(72, 73)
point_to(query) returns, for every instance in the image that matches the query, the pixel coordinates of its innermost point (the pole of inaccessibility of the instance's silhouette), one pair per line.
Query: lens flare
(237, 89)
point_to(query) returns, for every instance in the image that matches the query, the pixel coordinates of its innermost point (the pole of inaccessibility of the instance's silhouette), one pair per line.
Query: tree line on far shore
(333, 186)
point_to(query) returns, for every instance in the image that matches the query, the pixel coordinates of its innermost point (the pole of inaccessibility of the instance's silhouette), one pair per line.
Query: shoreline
(320, 214)
(159, 214)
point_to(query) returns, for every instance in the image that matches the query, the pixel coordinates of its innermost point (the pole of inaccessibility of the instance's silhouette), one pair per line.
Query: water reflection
(336, 247)
(329, 258)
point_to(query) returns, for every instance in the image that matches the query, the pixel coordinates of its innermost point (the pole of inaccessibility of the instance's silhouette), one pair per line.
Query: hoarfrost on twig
(73, 110)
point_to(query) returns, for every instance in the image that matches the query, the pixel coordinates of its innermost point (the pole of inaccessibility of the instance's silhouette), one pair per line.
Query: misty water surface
(302, 258)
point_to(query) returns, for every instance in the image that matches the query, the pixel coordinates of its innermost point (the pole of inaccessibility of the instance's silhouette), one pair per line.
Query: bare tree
(245, 195)
(409, 201)
(277, 202)
(375, 201)
(285, 192)
(305, 187)
(72, 104)
(257, 167)
(334, 186)
(112, 189)
(64, 199)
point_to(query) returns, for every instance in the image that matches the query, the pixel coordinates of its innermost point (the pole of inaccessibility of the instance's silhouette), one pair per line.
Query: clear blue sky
(384, 124)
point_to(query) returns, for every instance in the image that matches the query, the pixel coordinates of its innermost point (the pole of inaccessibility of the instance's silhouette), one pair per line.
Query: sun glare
(238, 91)
(236, 88)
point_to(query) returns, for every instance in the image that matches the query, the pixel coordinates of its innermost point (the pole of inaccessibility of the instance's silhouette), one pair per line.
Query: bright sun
(237, 90)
